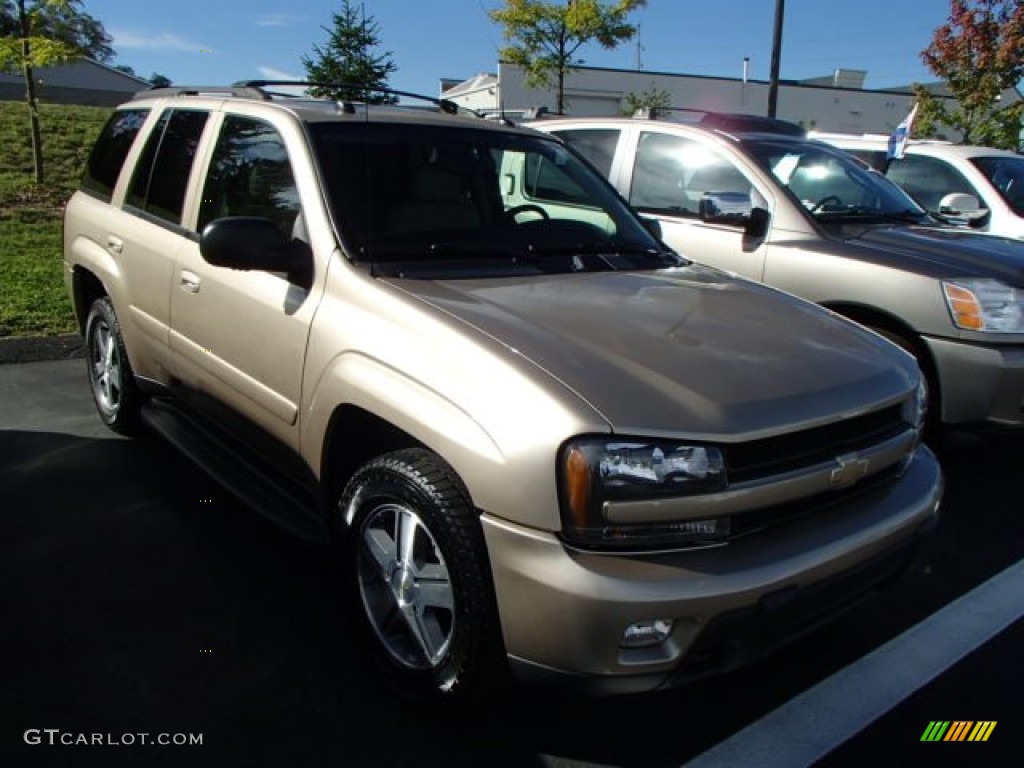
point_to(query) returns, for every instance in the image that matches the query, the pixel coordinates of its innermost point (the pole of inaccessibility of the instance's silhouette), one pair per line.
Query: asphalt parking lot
(139, 598)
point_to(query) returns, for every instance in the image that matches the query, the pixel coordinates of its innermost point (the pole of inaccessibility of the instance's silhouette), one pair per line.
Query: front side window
(1006, 174)
(250, 175)
(108, 155)
(928, 179)
(161, 176)
(673, 173)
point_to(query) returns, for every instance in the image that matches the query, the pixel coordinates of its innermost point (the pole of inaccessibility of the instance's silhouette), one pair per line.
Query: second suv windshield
(829, 184)
(433, 196)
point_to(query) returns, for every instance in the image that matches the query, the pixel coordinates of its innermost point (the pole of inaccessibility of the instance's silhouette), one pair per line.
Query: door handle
(190, 281)
(115, 244)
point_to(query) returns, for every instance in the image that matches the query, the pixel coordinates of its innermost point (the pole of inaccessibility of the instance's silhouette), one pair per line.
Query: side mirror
(725, 208)
(757, 225)
(247, 243)
(961, 205)
(653, 226)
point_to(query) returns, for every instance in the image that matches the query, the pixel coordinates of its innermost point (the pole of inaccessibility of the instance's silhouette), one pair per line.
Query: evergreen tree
(350, 57)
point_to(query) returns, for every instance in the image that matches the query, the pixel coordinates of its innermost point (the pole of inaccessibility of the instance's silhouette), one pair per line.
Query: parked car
(978, 187)
(547, 442)
(808, 218)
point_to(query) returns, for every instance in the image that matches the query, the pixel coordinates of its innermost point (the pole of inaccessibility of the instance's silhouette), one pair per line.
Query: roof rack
(445, 105)
(238, 90)
(257, 89)
(725, 121)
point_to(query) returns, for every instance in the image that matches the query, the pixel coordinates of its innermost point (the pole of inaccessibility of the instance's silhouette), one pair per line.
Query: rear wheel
(422, 578)
(110, 374)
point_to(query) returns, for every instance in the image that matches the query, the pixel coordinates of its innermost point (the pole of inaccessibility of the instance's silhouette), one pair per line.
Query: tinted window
(597, 145)
(1007, 175)
(111, 149)
(250, 175)
(161, 177)
(927, 179)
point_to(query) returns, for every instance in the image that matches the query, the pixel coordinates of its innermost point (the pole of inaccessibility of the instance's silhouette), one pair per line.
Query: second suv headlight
(982, 304)
(594, 471)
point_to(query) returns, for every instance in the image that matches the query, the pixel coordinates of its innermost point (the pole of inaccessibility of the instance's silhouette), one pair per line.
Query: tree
(349, 57)
(159, 81)
(979, 53)
(41, 33)
(544, 37)
(653, 98)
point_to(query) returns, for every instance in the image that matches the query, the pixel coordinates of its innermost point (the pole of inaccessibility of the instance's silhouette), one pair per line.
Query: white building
(837, 103)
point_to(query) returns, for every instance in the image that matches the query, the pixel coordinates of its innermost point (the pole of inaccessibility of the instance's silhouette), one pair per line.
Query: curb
(34, 349)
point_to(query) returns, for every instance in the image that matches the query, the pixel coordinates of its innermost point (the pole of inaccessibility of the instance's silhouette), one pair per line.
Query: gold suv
(546, 441)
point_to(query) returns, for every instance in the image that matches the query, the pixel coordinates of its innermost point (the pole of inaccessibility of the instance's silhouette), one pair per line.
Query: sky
(217, 42)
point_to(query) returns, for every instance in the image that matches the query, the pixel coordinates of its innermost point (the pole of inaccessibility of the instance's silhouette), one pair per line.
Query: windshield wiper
(606, 251)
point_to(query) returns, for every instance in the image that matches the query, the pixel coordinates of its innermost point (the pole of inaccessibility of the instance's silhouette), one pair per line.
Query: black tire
(110, 374)
(429, 621)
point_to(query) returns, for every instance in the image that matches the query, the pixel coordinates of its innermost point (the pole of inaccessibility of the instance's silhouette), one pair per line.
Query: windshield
(1006, 174)
(831, 184)
(413, 197)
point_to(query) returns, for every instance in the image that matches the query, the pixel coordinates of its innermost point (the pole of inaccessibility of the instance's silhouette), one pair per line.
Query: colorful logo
(958, 730)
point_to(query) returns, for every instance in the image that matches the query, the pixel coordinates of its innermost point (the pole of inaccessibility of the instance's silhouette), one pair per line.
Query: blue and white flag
(898, 139)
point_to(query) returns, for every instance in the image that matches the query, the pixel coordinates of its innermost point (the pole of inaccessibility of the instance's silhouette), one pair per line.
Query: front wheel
(110, 374)
(422, 577)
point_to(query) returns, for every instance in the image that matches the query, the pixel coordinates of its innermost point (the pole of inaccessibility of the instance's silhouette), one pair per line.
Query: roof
(914, 146)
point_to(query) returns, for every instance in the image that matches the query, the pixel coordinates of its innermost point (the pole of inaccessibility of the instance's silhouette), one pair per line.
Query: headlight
(596, 471)
(979, 304)
(916, 408)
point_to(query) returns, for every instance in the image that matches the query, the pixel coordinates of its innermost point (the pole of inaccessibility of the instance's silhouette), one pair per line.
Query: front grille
(744, 523)
(776, 455)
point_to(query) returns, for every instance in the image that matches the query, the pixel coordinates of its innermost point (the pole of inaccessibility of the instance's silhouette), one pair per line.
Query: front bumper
(981, 385)
(563, 612)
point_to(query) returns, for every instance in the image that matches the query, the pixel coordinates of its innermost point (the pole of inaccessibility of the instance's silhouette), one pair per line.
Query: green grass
(33, 299)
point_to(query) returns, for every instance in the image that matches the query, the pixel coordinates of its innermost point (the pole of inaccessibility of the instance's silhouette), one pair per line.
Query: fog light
(645, 634)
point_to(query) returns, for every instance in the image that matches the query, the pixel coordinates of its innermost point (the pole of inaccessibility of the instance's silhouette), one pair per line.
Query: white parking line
(809, 726)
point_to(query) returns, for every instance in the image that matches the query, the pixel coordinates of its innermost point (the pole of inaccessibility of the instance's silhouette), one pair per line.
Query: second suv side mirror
(962, 205)
(248, 243)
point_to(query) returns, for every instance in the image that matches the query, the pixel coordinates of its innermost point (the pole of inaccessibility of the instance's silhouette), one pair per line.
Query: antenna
(639, 50)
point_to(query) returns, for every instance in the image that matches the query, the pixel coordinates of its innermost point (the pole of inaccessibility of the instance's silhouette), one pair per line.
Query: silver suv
(546, 441)
(736, 193)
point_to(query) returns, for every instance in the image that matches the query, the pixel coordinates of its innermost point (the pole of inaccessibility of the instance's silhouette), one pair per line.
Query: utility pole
(773, 88)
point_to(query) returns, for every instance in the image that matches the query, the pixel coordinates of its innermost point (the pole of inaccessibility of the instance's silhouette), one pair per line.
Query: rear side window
(595, 144)
(161, 177)
(111, 149)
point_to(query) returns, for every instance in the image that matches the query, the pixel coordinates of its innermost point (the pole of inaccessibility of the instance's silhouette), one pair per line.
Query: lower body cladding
(981, 385)
(565, 613)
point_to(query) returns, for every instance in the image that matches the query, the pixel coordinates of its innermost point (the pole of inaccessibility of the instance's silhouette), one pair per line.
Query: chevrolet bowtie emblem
(851, 469)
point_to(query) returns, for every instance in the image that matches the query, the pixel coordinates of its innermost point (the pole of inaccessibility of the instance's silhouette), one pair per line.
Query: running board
(257, 484)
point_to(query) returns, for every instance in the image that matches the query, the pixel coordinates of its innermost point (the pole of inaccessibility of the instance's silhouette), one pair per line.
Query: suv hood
(687, 350)
(947, 252)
